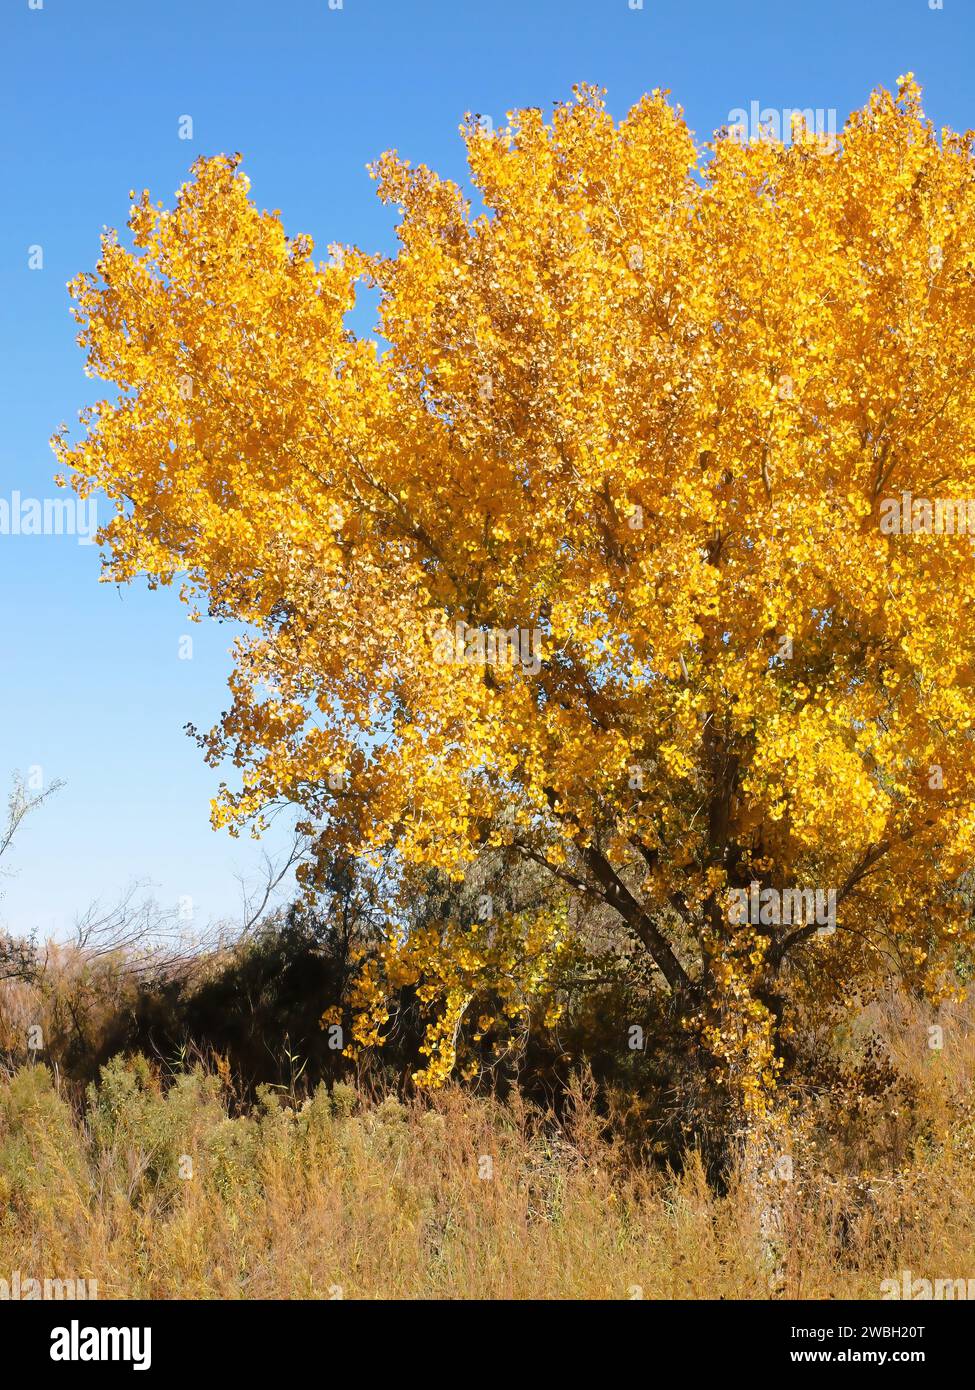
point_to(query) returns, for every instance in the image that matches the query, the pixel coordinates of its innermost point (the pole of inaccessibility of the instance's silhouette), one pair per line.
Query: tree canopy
(582, 556)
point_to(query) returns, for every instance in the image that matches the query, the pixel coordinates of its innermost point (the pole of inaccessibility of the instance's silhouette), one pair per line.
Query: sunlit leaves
(645, 404)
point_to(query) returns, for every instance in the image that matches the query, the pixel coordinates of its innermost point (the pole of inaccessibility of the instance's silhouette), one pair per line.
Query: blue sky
(93, 689)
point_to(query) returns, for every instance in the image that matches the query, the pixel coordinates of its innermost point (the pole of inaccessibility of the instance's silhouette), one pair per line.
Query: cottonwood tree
(585, 555)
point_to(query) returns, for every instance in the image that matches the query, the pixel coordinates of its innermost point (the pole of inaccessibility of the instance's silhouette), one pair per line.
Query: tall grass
(157, 1188)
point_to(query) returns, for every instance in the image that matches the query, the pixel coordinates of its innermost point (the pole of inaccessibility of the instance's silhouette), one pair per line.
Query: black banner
(172, 1339)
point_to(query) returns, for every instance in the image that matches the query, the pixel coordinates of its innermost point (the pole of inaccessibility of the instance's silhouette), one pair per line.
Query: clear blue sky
(91, 94)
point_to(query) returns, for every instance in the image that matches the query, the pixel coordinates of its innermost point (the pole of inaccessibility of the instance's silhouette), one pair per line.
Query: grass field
(156, 1187)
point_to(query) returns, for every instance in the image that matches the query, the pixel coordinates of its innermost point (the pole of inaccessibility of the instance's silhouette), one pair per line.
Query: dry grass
(337, 1196)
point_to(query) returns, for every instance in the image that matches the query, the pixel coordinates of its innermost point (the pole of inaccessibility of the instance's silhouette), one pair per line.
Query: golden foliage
(645, 405)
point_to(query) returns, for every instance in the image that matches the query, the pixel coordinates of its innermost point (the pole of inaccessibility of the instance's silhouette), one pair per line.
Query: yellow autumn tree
(609, 550)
